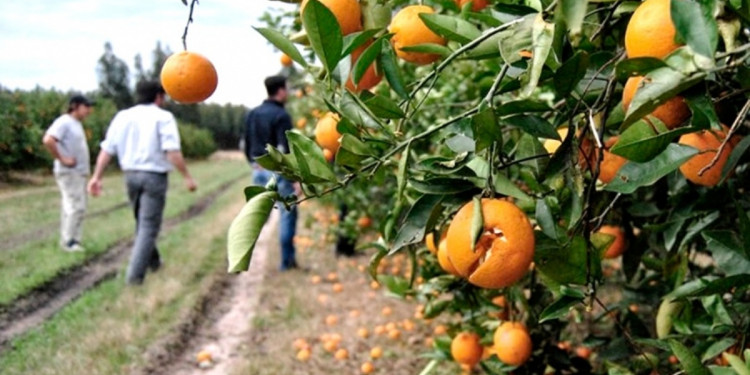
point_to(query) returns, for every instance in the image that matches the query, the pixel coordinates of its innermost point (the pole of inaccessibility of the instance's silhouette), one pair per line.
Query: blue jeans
(288, 225)
(147, 192)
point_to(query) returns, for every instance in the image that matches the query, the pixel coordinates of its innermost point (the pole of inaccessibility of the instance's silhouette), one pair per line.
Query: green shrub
(196, 143)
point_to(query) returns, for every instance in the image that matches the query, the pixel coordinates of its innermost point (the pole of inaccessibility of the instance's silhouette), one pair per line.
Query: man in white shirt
(147, 145)
(66, 141)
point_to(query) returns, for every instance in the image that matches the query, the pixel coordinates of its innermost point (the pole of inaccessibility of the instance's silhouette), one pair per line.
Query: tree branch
(735, 125)
(189, 21)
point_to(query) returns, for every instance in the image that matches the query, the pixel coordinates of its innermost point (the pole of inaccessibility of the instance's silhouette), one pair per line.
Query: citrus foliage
(523, 105)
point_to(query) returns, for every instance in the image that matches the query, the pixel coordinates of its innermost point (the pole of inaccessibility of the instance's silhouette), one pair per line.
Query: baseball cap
(80, 99)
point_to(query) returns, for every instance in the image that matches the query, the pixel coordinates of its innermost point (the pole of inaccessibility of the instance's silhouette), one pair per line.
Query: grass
(25, 267)
(108, 329)
(291, 307)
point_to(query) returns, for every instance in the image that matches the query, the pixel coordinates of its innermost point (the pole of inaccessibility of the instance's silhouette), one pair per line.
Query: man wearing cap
(146, 142)
(66, 141)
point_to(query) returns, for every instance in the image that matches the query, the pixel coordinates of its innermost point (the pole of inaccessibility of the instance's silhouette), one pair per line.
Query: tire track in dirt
(42, 302)
(48, 230)
(220, 321)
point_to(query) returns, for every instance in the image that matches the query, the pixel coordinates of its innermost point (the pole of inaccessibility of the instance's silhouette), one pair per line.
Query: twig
(594, 130)
(599, 219)
(728, 136)
(189, 21)
(611, 13)
(742, 48)
(495, 85)
(626, 334)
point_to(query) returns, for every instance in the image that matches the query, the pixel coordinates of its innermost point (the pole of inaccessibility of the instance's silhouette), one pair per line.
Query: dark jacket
(266, 125)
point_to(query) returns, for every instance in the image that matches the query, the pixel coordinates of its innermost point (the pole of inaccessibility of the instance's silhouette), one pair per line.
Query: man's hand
(68, 161)
(190, 184)
(94, 187)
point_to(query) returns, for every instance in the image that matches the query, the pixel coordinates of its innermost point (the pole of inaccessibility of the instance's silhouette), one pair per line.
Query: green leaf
(564, 265)
(697, 227)
(477, 222)
(450, 27)
(528, 147)
(689, 362)
(308, 153)
(356, 112)
(324, 33)
(251, 191)
(504, 186)
(434, 308)
(657, 87)
(634, 175)
(704, 115)
(416, 220)
(727, 251)
(522, 106)
(637, 66)
(381, 106)
(722, 285)
(541, 35)
(534, 125)
(545, 219)
(573, 11)
(737, 364)
(401, 178)
(734, 157)
(717, 348)
(387, 62)
(375, 260)
(397, 286)
(441, 185)
(432, 48)
(571, 72)
(245, 230)
(366, 59)
(559, 309)
(696, 26)
(358, 39)
(282, 43)
(485, 129)
(644, 140)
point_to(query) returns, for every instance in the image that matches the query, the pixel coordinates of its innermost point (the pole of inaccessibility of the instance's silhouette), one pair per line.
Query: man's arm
(175, 157)
(50, 143)
(95, 183)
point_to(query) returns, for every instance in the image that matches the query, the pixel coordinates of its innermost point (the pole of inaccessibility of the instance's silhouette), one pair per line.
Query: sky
(56, 43)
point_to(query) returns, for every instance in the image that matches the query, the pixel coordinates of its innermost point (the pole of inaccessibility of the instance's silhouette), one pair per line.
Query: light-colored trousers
(73, 190)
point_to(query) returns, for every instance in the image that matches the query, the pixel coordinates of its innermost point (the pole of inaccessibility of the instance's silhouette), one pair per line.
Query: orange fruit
(332, 276)
(303, 355)
(488, 351)
(332, 320)
(440, 330)
(394, 334)
(583, 352)
(337, 288)
(341, 354)
(368, 80)
(363, 333)
(429, 241)
(611, 163)
(374, 284)
(387, 311)
(328, 155)
(476, 5)
(347, 13)
(444, 259)
(409, 30)
(203, 356)
(326, 133)
(707, 142)
(512, 343)
(364, 222)
(619, 245)
(672, 113)
(466, 349)
(551, 145)
(367, 368)
(379, 330)
(330, 345)
(376, 352)
(504, 250)
(300, 344)
(188, 77)
(564, 345)
(301, 123)
(316, 279)
(650, 31)
(286, 60)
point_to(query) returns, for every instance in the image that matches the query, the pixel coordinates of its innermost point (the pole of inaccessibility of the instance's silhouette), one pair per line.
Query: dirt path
(224, 326)
(44, 301)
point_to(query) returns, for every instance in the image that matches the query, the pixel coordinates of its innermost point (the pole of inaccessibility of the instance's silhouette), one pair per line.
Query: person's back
(266, 125)
(140, 135)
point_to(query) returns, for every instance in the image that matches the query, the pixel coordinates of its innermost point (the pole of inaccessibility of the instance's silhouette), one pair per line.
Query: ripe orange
(363, 333)
(188, 77)
(466, 349)
(551, 145)
(364, 222)
(332, 320)
(374, 284)
(367, 368)
(707, 142)
(379, 330)
(332, 276)
(203, 356)
(672, 113)
(429, 241)
(368, 80)
(347, 12)
(341, 354)
(583, 352)
(440, 330)
(387, 311)
(619, 245)
(394, 334)
(303, 355)
(409, 30)
(337, 288)
(444, 259)
(286, 60)
(611, 163)
(376, 352)
(512, 343)
(504, 251)
(330, 345)
(476, 5)
(328, 155)
(650, 32)
(326, 133)
(300, 343)
(301, 123)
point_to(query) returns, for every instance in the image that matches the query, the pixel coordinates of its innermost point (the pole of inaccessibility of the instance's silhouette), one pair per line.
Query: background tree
(114, 78)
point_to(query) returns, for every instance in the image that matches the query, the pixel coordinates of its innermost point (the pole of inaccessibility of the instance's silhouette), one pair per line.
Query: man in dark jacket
(267, 125)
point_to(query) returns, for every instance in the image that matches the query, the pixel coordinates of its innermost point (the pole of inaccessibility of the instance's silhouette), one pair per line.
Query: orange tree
(499, 132)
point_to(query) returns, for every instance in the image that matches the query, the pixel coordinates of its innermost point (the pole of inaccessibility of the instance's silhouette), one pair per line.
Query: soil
(45, 300)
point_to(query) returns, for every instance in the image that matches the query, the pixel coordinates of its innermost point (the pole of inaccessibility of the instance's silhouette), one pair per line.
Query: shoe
(73, 246)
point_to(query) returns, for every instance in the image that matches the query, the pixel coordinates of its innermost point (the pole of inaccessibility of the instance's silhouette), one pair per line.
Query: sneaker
(73, 246)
